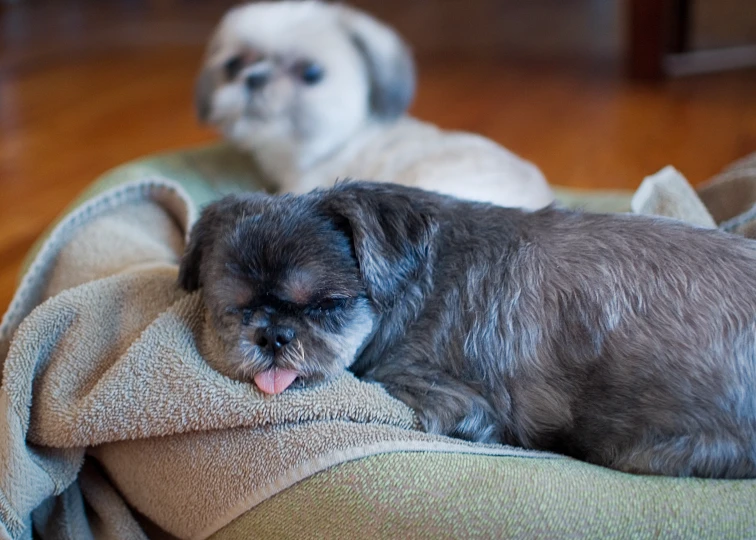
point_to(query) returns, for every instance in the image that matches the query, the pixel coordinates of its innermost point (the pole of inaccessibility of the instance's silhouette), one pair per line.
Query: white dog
(318, 92)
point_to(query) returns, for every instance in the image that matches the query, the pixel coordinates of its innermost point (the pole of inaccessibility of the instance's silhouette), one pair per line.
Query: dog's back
(623, 340)
(651, 339)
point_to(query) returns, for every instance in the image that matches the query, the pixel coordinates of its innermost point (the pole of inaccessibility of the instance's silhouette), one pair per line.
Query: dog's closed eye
(331, 303)
(246, 314)
(327, 306)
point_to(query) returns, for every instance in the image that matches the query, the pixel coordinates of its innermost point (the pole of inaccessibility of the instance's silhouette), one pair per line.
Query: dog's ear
(207, 79)
(392, 232)
(204, 231)
(389, 63)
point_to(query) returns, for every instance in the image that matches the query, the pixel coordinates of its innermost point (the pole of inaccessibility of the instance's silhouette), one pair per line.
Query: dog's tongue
(275, 380)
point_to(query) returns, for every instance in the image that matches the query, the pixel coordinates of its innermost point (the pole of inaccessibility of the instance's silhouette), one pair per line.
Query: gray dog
(625, 341)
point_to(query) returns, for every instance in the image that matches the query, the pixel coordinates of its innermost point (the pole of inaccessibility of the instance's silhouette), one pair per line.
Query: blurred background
(598, 93)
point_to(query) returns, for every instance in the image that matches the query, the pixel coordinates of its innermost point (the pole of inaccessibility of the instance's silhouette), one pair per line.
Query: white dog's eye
(310, 72)
(232, 67)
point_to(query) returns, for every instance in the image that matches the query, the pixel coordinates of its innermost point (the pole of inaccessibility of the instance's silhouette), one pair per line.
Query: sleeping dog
(625, 341)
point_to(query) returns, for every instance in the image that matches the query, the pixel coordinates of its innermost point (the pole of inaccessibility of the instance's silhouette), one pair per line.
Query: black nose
(256, 80)
(274, 337)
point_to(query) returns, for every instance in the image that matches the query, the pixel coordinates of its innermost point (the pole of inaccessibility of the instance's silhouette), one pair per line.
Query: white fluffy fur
(307, 136)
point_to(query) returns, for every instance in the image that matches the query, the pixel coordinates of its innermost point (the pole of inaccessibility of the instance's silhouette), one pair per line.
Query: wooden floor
(85, 86)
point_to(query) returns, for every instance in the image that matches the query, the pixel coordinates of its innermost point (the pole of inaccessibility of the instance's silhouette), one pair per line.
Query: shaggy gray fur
(625, 341)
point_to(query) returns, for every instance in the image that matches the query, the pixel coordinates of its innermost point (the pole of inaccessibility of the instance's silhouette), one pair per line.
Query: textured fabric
(731, 197)
(593, 200)
(204, 173)
(668, 193)
(426, 495)
(102, 359)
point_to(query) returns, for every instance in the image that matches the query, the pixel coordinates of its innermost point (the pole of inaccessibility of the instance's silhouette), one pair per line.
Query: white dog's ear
(203, 91)
(388, 59)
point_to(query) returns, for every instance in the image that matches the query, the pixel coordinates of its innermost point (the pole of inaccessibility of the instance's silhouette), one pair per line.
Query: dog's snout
(256, 80)
(274, 337)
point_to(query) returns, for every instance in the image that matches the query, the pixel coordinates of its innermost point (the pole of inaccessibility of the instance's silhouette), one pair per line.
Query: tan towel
(667, 193)
(731, 197)
(727, 201)
(105, 360)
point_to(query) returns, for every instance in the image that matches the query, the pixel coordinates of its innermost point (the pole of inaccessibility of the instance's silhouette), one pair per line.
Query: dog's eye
(233, 66)
(329, 304)
(310, 72)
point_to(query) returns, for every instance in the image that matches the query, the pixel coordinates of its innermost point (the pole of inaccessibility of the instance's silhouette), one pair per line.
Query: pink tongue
(275, 381)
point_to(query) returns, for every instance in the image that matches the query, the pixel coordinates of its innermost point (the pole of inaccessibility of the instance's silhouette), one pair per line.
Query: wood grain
(86, 86)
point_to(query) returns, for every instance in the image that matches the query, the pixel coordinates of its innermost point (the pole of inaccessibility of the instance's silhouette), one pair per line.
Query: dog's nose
(256, 80)
(274, 337)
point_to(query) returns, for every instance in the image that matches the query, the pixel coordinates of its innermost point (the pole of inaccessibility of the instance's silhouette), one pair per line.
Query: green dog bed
(431, 488)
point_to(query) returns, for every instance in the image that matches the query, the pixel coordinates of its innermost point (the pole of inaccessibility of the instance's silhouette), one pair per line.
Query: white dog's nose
(257, 75)
(256, 80)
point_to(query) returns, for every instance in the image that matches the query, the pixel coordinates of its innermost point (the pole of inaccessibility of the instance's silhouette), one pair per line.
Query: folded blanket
(667, 193)
(114, 426)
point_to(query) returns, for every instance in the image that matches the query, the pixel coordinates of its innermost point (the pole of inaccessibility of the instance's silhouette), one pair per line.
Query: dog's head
(295, 285)
(295, 75)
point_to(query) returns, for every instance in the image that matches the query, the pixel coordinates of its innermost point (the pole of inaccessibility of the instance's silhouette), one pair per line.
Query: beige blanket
(104, 385)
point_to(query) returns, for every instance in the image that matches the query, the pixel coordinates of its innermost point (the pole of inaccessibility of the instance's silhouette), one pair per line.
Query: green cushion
(427, 495)
(436, 495)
